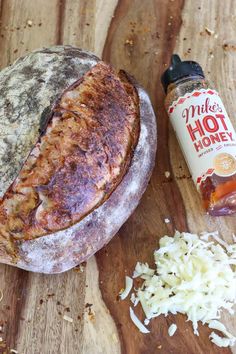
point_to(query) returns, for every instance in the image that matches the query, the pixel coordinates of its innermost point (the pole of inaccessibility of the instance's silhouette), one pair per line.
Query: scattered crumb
(167, 174)
(208, 31)
(30, 23)
(50, 295)
(41, 301)
(79, 317)
(1, 340)
(184, 39)
(67, 309)
(216, 36)
(211, 55)
(80, 268)
(91, 316)
(88, 305)
(1, 295)
(228, 47)
(13, 351)
(169, 23)
(40, 24)
(159, 347)
(129, 42)
(58, 303)
(67, 318)
(91, 313)
(121, 291)
(15, 51)
(167, 221)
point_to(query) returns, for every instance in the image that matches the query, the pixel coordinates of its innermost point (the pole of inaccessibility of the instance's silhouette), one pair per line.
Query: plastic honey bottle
(205, 133)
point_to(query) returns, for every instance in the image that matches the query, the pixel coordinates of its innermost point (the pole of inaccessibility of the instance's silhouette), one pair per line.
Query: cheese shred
(128, 287)
(192, 276)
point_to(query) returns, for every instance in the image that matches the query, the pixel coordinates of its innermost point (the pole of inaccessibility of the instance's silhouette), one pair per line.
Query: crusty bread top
(78, 161)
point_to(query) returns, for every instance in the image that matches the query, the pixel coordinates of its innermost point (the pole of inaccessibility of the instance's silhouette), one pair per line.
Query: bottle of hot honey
(205, 133)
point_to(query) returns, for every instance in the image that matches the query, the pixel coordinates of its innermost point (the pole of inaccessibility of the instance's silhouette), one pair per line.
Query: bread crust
(78, 160)
(63, 249)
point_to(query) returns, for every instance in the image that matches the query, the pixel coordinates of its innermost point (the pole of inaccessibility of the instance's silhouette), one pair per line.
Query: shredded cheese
(137, 322)
(192, 276)
(172, 329)
(128, 287)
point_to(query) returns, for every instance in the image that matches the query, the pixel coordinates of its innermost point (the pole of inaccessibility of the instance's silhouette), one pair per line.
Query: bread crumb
(208, 31)
(167, 174)
(129, 42)
(30, 23)
(13, 351)
(159, 347)
(91, 316)
(167, 221)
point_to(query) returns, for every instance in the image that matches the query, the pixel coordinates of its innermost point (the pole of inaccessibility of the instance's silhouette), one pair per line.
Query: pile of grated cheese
(193, 276)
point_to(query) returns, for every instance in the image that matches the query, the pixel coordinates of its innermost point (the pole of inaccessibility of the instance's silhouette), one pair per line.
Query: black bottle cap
(179, 69)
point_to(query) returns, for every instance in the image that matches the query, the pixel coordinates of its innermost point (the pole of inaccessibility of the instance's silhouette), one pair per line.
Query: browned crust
(64, 249)
(79, 160)
(61, 250)
(85, 134)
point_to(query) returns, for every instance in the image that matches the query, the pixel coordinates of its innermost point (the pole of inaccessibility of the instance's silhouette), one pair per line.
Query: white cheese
(128, 287)
(221, 341)
(172, 329)
(192, 276)
(137, 322)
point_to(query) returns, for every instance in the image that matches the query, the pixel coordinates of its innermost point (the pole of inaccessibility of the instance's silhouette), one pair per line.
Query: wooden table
(139, 36)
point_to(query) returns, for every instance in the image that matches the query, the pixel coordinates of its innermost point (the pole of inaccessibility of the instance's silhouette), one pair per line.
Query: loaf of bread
(77, 147)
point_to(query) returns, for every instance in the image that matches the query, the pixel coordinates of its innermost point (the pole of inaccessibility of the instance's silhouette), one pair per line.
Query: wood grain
(146, 58)
(140, 37)
(32, 310)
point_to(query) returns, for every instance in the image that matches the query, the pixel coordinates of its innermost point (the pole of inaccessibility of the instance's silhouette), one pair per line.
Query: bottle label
(205, 133)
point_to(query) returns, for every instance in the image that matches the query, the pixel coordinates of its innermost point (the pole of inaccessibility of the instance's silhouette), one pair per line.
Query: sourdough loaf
(77, 147)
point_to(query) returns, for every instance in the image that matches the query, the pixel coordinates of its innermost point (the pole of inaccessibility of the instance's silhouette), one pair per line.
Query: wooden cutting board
(139, 36)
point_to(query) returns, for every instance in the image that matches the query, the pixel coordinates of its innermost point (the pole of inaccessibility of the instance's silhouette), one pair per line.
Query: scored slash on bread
(61, 207)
